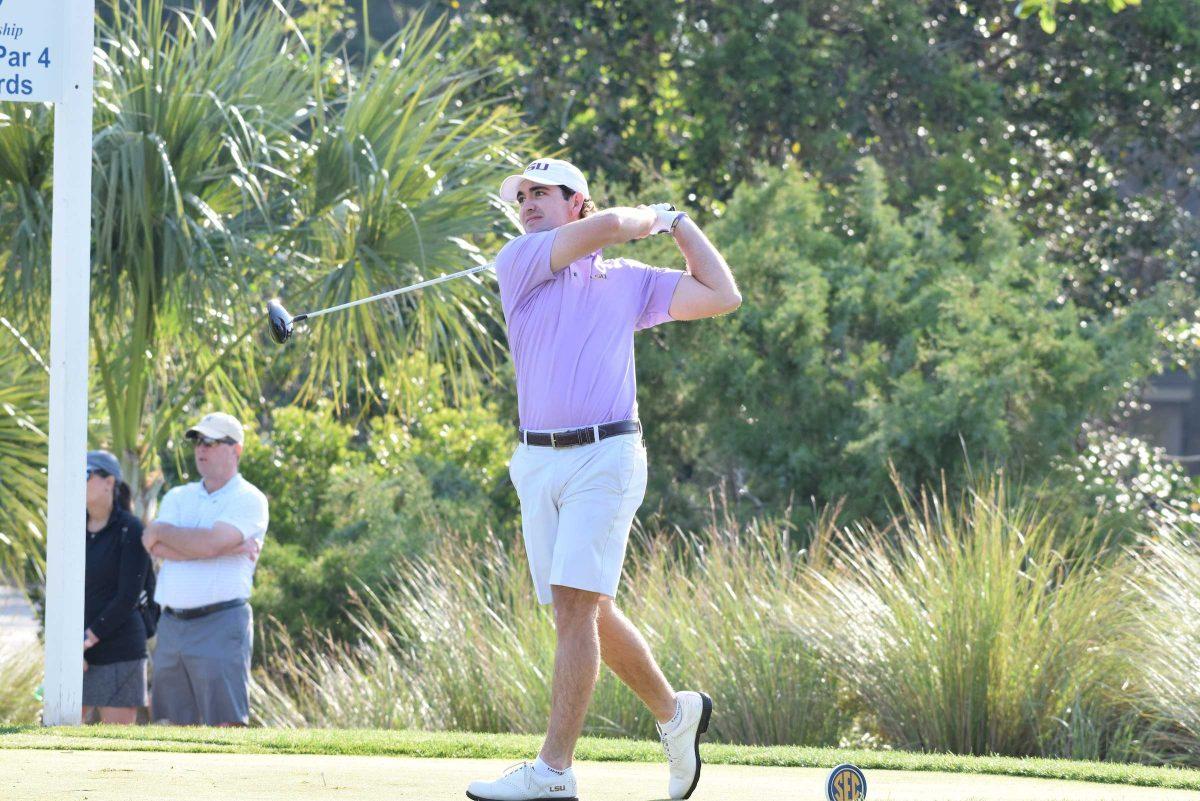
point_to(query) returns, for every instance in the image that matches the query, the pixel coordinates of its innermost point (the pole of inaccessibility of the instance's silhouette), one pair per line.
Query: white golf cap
(217, 425)
(548, 172)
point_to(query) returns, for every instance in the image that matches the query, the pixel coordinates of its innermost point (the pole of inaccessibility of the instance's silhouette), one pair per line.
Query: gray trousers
(202, 669)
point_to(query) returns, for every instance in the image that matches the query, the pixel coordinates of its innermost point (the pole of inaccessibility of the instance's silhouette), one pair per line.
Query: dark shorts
(120, 684)
(202, 669)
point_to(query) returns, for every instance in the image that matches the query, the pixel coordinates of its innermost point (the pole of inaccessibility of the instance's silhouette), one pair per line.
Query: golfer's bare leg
(576, 665)
(628, 655)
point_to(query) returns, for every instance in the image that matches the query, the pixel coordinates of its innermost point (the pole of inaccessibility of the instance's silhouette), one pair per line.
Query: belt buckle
(553, 442)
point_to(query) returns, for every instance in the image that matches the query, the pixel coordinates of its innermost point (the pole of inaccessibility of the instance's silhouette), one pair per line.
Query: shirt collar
(237, 477)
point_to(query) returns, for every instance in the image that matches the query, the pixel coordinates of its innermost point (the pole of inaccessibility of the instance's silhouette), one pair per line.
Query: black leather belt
(201, 611)
(579, 436)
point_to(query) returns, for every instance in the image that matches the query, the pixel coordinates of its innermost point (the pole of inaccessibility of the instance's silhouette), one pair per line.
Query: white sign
(31, 49)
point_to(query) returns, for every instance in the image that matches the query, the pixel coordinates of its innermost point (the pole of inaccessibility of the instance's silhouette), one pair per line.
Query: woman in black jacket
(114, 642)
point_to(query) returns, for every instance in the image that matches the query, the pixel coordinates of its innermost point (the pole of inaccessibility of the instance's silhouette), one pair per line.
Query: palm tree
(397, 182)
(23, 384)
(193, 112)
(232, 160)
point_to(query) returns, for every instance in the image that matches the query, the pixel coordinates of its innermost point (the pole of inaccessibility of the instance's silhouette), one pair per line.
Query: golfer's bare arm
(610, 227)
(196, 543)
(707, 288)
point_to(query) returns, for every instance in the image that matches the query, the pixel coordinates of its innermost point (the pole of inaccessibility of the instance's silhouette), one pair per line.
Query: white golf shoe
(682, 743)
(523, 783)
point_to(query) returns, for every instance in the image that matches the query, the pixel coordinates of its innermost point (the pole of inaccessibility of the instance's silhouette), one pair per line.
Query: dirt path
(123, 775)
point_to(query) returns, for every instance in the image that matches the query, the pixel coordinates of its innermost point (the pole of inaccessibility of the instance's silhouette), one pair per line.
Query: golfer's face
(542, 207)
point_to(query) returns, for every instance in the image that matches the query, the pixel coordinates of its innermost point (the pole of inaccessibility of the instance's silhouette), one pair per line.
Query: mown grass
(463, 745)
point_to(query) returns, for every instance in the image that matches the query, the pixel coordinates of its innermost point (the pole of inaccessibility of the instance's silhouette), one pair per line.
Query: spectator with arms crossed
(208, 534)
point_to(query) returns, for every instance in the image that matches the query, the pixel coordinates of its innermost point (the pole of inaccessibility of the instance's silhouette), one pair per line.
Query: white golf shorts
(577, 506)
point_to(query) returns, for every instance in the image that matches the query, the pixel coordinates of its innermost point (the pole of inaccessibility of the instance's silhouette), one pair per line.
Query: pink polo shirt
(571, 333)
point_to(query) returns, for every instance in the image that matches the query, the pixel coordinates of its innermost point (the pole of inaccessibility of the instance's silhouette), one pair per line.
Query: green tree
(1046, 10)
(1089, 134)
(868, 337)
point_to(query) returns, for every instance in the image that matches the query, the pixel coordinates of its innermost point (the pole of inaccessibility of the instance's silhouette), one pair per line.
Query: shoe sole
(474, 797)
(701, 729)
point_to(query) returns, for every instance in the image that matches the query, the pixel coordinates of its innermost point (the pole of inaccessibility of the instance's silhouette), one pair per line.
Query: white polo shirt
(200, 582)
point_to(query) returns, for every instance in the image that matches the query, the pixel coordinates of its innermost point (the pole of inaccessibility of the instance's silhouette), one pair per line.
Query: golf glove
(668, 218)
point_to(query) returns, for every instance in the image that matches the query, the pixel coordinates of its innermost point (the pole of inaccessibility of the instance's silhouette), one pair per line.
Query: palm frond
(23, 452)
(394, 192)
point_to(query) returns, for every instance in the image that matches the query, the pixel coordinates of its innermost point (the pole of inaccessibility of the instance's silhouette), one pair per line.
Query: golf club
(282, 322)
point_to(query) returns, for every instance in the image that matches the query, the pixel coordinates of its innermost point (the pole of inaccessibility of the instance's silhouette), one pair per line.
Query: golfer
(580, 465)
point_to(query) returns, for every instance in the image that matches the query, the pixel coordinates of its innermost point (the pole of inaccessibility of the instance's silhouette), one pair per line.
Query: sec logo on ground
(846, 783)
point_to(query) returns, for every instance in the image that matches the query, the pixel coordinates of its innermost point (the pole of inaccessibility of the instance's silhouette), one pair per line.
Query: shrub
(712, 605)
(973, 625)
(363, 522)
(293, 461)
(1169, 584)
(457, 641)
(970, 622)
(1124, 482)
(346, 504)
(867, 337)
(462, 451)
(20, 677)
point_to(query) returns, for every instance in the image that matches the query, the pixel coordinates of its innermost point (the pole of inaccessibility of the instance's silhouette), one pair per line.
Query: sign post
(46, 55)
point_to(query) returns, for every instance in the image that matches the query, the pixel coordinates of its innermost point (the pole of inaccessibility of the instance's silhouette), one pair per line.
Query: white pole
(70, 274)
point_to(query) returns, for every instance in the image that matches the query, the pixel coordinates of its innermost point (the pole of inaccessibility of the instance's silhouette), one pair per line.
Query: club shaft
(421, 285)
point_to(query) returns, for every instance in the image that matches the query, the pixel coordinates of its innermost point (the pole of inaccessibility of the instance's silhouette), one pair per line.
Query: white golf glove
(667, 217)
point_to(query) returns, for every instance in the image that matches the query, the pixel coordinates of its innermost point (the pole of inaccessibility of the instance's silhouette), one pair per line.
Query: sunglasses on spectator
(208, 442)
(98, 472)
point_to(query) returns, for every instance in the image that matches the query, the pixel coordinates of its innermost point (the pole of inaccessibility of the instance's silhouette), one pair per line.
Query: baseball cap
(216, 426)
(103, 460)
(548, 172)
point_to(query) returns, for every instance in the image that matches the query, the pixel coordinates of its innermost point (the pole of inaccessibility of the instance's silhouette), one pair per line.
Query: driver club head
(281, 321)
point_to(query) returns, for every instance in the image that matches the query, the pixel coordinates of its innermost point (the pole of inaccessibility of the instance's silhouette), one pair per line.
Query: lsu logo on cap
(846, 783)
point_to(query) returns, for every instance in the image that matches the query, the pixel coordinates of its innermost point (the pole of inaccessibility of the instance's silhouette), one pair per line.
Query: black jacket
(116, 572)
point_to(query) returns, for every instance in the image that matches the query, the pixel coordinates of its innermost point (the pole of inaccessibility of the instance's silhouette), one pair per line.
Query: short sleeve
(657, 288)
(522, 265)
(168, 508)
(248, 514)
